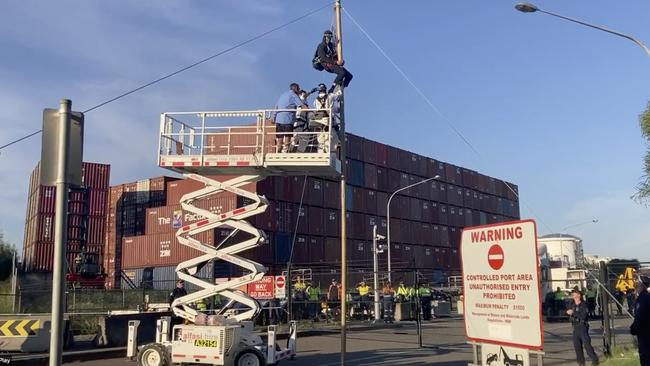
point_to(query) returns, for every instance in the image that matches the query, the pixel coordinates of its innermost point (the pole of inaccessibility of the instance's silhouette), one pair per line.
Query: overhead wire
(206, 59)
(428, 101)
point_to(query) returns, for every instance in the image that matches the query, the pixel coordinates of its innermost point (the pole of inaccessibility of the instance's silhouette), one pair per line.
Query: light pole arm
(626, 36)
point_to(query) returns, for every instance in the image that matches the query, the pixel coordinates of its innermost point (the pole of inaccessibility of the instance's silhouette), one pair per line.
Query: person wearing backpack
(325, 58)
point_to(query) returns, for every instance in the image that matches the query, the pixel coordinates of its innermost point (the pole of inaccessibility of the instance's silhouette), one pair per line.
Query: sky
(549, 105)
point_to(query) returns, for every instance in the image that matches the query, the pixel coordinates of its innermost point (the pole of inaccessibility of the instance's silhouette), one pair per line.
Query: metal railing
(198, 134)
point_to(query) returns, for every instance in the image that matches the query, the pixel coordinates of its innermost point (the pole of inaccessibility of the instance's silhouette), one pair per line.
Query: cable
(223, 52)
(449, 123)
(293, 244)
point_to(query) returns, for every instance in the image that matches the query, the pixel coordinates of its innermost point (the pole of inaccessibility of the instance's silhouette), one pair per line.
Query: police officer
(578, 313)
(641, 325)
(179, 291)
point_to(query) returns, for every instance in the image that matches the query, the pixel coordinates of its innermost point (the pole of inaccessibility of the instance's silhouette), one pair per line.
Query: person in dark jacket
(179, 291)
(641, 325)
(326, 57)
(578, 313)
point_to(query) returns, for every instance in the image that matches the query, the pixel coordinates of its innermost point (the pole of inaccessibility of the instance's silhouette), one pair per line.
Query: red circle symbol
(495, 257)
(279, 282)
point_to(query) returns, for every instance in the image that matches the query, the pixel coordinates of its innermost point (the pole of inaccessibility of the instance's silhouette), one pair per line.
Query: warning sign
(280, 288)
(262, 289)
(501, 284)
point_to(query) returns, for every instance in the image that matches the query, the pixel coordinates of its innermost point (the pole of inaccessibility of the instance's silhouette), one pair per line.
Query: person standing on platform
(578, 314)
(284, 119)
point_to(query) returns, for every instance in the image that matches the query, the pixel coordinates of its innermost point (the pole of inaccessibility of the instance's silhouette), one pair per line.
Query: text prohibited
(501, 284)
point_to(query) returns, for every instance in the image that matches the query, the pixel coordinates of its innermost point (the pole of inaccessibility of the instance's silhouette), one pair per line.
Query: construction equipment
(85, 272)
(626, 280)
(200, 144)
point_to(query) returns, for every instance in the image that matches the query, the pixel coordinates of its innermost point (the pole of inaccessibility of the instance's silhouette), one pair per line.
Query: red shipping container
(404, 204)
(382, 179)
(314, 192)
(331, 194)
(435, 235)
(435, 213)
(415, 209)
(393, 156)
(316, 249)
(332, 250)
(268, 220)
(359, 252)
(370, 151)
(158, 250)
(371, 201)
(302, 219)
(370, 176)
(422, 166)
(301, 249)
(395, 230)
(444, 236)
(382, 154)
(316, 221)
(434, 191)
(442, 212)
(354, 146)
(443, 193)
(95, 175)
(435, 167)
(382, 201)
(358, 199)
(394, 178)
(332, 224)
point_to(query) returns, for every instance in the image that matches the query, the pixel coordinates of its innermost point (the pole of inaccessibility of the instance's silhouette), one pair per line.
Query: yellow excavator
(626, 280)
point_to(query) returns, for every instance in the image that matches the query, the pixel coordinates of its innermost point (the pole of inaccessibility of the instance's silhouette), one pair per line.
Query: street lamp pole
(580, 224)
(531, 8)
(390, 279)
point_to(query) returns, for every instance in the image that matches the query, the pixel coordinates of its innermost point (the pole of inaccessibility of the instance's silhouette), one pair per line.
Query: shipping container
(382, 154)
(331, 194)
(370, 176)
(354, 145)
(369, 151)
(163, 278)
(159, 250)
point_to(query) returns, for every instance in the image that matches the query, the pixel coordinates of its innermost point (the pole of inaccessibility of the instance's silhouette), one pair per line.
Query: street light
(530, 8)
(388, 217)
(580, 224)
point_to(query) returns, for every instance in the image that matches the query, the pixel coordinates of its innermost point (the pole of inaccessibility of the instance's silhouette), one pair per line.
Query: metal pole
(418, 305)
(60, 235)
(344, 265)
(14, 283)
(375, 265)
(604, 306)
(388, 236)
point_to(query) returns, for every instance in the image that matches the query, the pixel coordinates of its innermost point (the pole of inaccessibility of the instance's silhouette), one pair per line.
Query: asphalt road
(443, 340)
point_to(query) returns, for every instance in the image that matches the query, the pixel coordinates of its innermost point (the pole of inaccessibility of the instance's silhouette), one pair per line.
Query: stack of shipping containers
(126, 217)
(426, 220)
(86, 218)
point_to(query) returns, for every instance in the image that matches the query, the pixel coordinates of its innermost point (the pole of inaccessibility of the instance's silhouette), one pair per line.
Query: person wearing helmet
(326, 59)
(641, 325)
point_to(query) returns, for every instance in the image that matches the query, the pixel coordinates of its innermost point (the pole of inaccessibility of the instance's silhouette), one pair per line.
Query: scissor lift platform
(243, 142)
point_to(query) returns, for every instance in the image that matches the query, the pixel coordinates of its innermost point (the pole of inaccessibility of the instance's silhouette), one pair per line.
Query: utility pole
(375, 270)
(14, 282)
(344, 265)
(60, 234)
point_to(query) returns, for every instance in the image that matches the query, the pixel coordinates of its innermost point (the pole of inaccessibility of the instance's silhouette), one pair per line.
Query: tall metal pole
(604, 308)
(344, 265)
(60, 235)
(375, 269)
(14, 282)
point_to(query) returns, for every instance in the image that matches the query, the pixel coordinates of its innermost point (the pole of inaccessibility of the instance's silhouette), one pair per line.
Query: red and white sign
(501, 284)
(280, 288)
(262, 289)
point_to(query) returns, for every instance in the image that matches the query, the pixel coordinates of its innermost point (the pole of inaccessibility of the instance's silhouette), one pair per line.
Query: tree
(7, 252)
(642, 194)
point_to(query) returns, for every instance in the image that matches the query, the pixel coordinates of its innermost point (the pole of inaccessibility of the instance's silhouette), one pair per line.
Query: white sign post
(501, 285)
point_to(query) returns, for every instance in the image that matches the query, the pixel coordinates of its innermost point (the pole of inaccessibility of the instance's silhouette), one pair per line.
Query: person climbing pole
(326, 59)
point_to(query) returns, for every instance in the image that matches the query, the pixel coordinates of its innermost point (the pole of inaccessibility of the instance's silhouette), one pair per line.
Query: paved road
(444, 342)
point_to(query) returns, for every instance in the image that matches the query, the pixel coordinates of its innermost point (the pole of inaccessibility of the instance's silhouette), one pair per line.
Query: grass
(6, 299)
(622, 356)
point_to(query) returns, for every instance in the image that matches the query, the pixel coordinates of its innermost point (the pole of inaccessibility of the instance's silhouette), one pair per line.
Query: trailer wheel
(153, 354)
(250, 357)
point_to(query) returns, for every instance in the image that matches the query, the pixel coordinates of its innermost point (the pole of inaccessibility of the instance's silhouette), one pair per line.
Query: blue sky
(549, 105)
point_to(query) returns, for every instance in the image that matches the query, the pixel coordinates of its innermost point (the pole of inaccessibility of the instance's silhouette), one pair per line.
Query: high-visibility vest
(363, 290)
(425, 292)
(559, 295)
(402, 291)
(313, 293)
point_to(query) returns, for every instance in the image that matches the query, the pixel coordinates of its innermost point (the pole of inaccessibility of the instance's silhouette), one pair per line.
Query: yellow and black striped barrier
(19, 327)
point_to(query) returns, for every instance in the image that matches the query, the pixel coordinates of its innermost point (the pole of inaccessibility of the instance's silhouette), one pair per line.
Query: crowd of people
(310, 302)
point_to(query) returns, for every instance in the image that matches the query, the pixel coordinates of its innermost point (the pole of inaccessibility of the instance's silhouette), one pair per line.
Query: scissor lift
(202, 145)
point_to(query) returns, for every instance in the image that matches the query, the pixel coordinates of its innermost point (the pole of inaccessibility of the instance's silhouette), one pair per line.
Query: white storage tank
(563, 250)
